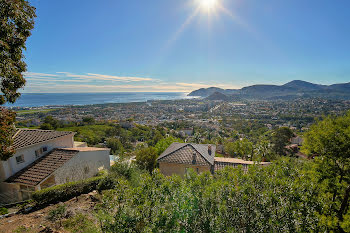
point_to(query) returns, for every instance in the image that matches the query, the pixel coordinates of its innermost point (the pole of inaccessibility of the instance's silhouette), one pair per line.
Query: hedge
(65, 192)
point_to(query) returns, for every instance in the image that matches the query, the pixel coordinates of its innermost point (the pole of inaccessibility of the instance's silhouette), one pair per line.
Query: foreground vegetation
(288, 196)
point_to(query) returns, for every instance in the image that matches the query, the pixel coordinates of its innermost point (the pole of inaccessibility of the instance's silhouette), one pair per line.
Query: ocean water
(58, 99)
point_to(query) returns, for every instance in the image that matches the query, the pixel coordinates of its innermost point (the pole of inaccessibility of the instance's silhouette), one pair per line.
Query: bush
(122, 168)
(282, 197)
(57, 213)
(107, 182)
(66, 191)
(3, 211)
(126, 170)
(80, 223)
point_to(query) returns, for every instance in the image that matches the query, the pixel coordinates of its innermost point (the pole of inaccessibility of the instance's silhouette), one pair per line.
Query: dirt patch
(37, 221)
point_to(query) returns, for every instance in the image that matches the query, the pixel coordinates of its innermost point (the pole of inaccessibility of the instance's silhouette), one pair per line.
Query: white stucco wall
(10, 167)
(74, 169)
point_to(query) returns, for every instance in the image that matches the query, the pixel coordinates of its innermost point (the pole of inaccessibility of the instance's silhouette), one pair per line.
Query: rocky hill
(290, 90)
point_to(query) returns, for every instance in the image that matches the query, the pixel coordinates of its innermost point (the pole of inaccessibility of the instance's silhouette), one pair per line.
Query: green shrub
(80, 224)
(282, 197)
(3, 211)
(57, 213)
(122, 168)
(107, 182)
(129, 171)
(66, 191)
(22, 229)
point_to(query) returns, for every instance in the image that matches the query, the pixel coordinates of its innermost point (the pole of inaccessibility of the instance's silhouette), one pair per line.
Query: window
(20, 159)
(40, 151)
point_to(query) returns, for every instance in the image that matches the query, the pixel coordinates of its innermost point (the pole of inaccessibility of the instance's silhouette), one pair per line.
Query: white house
(45, 158)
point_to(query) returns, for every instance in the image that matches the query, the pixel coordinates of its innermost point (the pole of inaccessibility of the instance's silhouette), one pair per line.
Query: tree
(50, 123)
(240, 148)
(146, 158)
(17, 20)
(7, 120)
(165, 143)
(89, 120)
(280, 139)
(330, 140)
(115, 145)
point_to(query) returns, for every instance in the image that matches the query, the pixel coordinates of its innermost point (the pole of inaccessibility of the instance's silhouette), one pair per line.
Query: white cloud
(90, 82)
(31, 74)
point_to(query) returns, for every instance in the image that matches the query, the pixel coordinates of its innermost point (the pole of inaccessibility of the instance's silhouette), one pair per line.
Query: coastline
(35, 100)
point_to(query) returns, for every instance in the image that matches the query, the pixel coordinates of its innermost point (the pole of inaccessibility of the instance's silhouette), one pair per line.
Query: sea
(61, 99)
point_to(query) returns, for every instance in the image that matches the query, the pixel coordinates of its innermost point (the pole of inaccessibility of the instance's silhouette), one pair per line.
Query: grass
(80, 223)
(32, 111)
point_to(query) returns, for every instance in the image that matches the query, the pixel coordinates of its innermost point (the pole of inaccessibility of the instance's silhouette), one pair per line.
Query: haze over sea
(54, 99)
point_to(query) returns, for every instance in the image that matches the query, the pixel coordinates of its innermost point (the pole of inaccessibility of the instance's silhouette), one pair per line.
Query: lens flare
(208, 5)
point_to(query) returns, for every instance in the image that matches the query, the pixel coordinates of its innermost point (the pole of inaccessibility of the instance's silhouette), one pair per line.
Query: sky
(183, 45)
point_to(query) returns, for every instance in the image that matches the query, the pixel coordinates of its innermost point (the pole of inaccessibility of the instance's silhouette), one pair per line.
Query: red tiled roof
(36, 172)
(28, 137)
(183, 153)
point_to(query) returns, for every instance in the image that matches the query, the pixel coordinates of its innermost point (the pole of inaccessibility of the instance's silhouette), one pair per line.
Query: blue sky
(179, 45)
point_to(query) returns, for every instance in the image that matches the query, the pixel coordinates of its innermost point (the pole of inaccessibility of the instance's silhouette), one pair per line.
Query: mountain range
(291, 90)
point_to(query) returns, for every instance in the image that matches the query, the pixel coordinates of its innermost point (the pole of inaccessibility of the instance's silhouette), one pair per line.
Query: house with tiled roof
(178, 158)
(45, 158)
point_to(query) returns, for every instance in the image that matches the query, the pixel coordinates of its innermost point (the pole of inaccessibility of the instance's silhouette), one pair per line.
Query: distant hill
(218, 96)
(290, 90)
(205, 92)
(302, 85)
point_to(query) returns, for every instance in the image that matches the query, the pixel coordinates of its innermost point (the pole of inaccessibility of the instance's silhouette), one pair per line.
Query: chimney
(209, 149)
(194, 157)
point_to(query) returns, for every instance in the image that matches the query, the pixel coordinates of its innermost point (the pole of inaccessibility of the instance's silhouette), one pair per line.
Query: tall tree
(280, 139)
(330, 140)
(146, 158)
(16, 22)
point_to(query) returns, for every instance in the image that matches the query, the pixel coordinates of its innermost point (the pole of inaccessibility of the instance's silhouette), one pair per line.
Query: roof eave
(20, 148)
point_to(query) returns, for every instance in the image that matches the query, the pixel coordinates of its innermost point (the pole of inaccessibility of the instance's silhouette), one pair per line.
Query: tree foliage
(50, 123)
(146, 158)
(165, 143)
(330, 140)
(239, 148)
(281, 198)
(280, 139)
(7, 129)
(17, 20)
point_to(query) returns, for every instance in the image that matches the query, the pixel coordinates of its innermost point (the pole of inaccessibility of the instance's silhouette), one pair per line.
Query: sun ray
(236, 19)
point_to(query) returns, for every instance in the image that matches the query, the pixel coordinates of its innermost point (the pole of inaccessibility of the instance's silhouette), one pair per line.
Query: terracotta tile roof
(36, 172)
(87, 149)
(183, 153)
(28, 137)
(221, 163)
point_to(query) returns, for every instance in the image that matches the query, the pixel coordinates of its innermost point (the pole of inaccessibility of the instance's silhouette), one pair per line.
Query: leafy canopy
(17, 20)
(330, 140)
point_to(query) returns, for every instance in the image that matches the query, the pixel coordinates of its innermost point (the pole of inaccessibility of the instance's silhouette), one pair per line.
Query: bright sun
(208, 4)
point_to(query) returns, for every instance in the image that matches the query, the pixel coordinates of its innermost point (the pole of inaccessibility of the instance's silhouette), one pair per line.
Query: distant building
(127, 124)
(188, 132)
(178, 158)
(45, 158)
